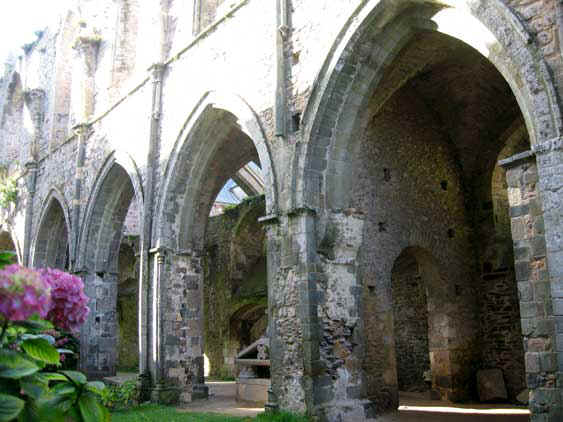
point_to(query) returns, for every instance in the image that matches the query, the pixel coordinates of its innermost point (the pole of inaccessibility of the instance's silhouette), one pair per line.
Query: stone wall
(345, 194)
(235, 290)
(410, 324)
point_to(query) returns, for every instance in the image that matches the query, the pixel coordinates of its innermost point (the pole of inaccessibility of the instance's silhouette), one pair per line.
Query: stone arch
(357, 75)
(363, 51)
(189, 160)
(118, 184)
(52, 246)
(220, 136)
(105, 200)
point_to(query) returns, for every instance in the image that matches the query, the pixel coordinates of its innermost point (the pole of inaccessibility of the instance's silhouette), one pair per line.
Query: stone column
(87, 44)
(99, 336)
(35, 102)
(271, 228)
(177, 304)
(533, 278)
(81, 132)
(294, 333)
(549, 157)
(144, 282)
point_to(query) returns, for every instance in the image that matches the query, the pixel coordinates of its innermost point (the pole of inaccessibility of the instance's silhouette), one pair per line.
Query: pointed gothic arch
(52, 246)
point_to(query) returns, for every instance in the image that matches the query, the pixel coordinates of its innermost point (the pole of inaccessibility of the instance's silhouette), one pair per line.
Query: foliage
(8, 192)
(29, 389)
(281, 417)
(121, 396)
(151, 412)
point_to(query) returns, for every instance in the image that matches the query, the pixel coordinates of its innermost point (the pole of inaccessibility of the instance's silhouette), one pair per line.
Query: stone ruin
(402, 230)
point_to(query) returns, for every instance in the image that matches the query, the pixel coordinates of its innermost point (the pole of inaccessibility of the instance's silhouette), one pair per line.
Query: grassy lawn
(156, 413)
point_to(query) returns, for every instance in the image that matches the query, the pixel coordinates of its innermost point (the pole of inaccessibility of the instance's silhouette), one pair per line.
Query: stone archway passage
(98, 261)
(52, 241)
(417, 122)
(219, 139)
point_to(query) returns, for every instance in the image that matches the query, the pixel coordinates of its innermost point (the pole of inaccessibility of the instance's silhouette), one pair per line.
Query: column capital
(87, 44)
(81, 129)
(156, 70)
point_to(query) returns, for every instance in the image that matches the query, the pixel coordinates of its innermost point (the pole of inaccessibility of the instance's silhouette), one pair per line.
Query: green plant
(121, 396)
(32, 388)
(8, 192)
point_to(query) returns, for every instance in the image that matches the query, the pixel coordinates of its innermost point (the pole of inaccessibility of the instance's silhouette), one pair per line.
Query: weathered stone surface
(490, 385)
(397, 113)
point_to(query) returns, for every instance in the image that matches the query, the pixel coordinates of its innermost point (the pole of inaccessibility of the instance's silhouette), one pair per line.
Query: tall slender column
(35, 102)
(282, 35)
(81, 133)
(87, 44)
(145, 311)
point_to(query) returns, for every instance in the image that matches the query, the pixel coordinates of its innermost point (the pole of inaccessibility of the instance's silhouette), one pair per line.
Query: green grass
(156, 413)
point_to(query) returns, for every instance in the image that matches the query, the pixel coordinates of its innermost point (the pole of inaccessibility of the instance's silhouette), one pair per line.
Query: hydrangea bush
(34, 305)
(23, 292)
(69, 308)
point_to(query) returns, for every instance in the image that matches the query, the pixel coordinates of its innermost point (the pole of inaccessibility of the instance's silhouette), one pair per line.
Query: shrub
(122, 396)
(29, 389)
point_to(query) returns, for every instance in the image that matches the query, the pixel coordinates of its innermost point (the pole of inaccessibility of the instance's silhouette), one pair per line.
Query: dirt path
(414, 407)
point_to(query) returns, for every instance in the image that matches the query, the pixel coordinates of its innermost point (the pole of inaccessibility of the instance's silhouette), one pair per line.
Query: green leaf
(34, 324)
(30, 413)
(91, 410)
(15, 365)
(42, 350)
(64, 389)
(33, 388)
(96, 386)
(76, 377)
(53, 376)
(47, 337)
(10, 407)
(57, 404)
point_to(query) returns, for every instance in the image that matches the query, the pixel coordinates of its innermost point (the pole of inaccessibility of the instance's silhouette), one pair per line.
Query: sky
(19, 20)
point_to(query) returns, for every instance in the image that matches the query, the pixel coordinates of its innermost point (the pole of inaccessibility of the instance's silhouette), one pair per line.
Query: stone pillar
(87, 44)
(549, 157)
(271, 228)
(144, 282)
(292, 310)
(35, 102)
(81, 132)
(177, 304)
(31, 181)
(99, 336)
(533, 278)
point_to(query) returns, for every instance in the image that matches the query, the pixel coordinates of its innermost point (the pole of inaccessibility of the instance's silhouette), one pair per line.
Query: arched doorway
(52, 246)
(218, 142)
(108, 267)
(404, 138)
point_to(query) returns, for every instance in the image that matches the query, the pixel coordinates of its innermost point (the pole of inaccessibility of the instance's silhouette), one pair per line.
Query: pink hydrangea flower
(23, 292)
(69, 303)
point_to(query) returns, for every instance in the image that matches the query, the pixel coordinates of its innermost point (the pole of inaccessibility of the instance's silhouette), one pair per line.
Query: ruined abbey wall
(147, 108)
